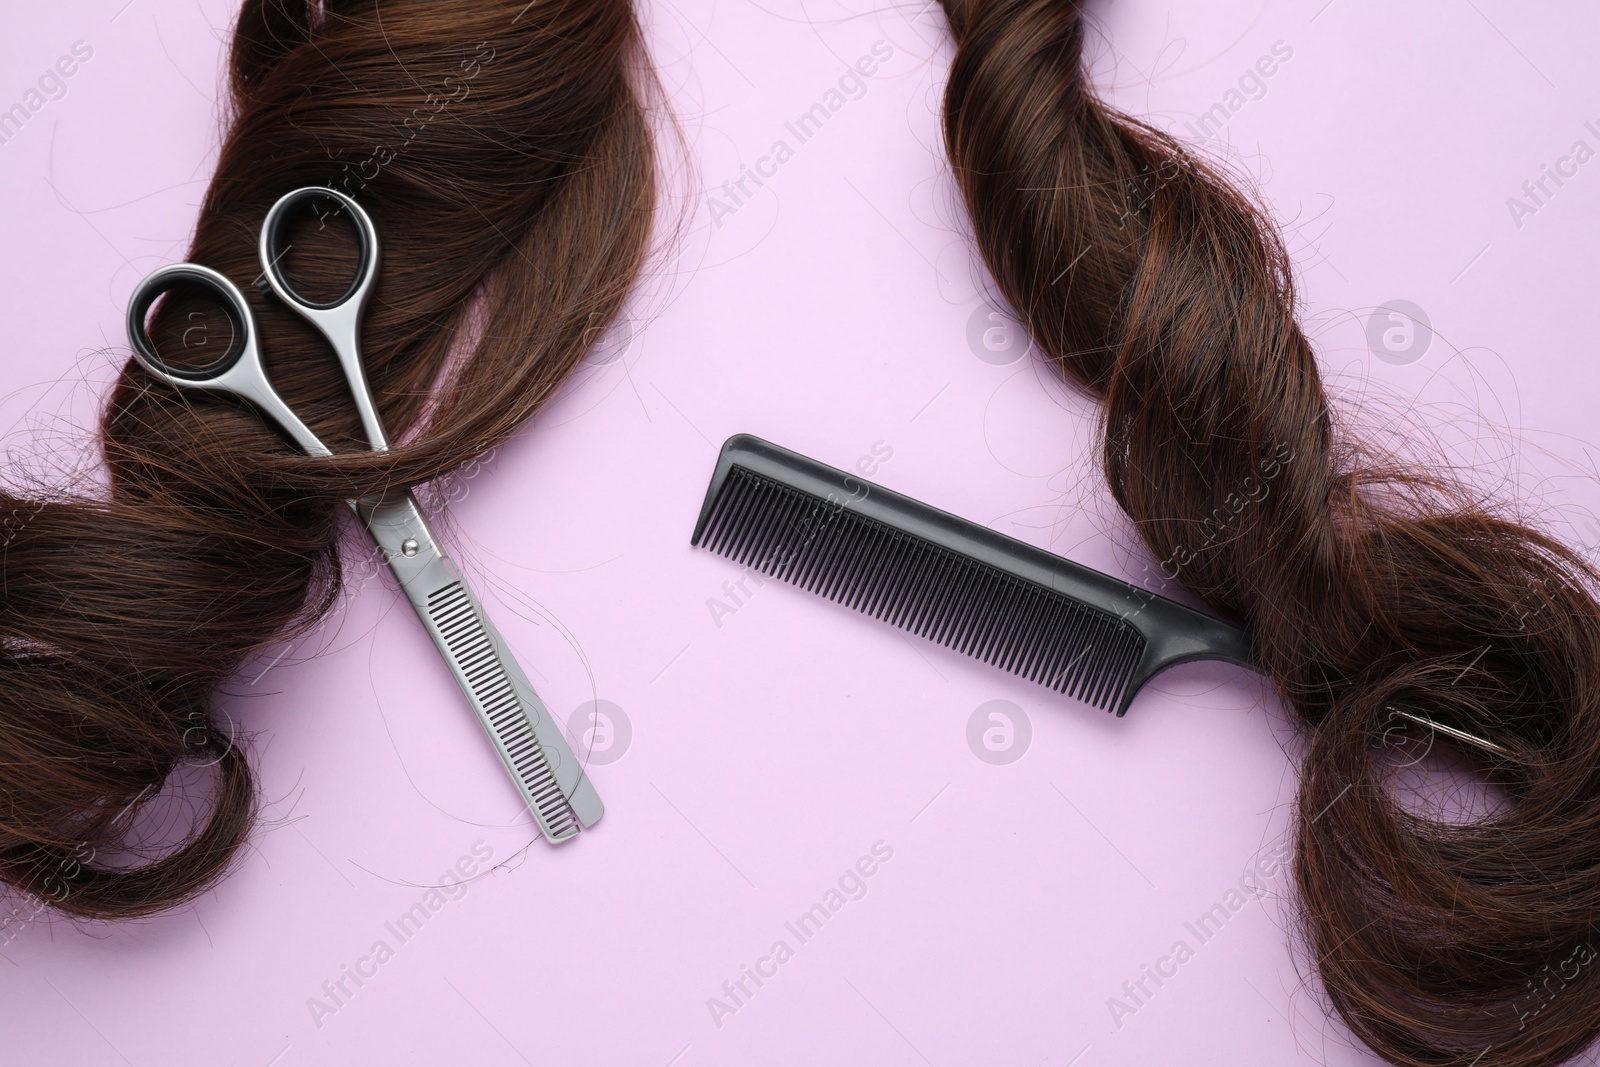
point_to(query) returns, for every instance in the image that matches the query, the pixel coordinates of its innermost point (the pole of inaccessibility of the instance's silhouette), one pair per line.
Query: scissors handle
(337, 320)
(553, 784)
(239, 372)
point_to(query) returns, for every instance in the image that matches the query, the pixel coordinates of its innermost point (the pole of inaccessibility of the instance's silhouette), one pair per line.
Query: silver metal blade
(550, 778)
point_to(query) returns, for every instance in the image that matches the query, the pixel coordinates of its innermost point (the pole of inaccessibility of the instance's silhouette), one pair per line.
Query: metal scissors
(557, 790)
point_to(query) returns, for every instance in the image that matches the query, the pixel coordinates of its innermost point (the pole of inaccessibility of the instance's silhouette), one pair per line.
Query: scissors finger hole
(187, 329)
(318, 250)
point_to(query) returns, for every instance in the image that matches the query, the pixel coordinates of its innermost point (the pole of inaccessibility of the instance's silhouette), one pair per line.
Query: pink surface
(777, 744)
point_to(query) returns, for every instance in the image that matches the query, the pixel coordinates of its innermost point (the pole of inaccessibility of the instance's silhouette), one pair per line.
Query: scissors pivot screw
(408, 547)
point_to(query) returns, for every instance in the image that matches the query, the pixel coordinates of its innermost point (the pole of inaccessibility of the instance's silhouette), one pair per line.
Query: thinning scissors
(556, 788)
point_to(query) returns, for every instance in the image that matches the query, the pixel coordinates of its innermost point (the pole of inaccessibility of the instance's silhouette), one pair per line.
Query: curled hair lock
(504, 153)
(1373, 589)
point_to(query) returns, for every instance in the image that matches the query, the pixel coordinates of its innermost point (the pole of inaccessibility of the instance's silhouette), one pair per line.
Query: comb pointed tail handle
(1174, 634)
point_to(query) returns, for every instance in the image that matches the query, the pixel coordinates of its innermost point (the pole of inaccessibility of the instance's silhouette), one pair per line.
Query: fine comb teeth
(1069, 627)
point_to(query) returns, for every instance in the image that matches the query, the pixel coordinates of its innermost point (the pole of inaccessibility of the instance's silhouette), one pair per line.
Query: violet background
(828, 313)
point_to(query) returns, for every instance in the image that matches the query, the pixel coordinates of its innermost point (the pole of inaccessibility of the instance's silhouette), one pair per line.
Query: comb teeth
(1015, 624)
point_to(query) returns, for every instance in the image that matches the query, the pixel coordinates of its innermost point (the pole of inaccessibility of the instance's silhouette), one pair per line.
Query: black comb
(1069, 627)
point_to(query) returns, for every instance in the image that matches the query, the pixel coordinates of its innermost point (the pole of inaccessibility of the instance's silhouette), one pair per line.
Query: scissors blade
(552, 782)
